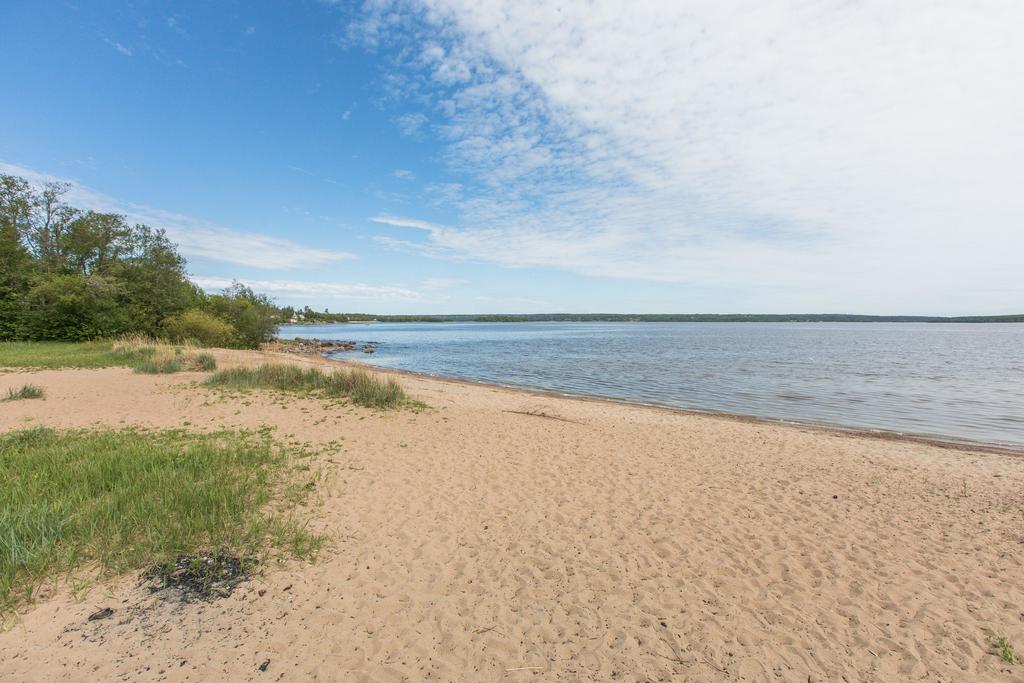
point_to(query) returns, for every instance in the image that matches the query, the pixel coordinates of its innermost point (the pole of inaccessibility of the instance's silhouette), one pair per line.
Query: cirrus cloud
(849, 155)
(314, 290)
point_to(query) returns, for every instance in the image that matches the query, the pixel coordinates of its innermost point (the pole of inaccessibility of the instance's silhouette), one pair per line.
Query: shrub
(253, 316)
(201, 327)
(74, 307)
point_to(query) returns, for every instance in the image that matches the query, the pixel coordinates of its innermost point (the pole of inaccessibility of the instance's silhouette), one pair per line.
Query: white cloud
(863, 156)
(410, 124)
(123, 49)
(399, 222)
(317, 290)
(195, 237)
(403, 174)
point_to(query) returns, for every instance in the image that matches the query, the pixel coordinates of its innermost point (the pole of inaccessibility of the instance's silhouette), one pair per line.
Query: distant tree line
(71, 274)
(307, 315)
(315, 317)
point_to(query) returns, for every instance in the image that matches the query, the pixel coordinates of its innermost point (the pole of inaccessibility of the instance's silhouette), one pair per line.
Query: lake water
(958, 381)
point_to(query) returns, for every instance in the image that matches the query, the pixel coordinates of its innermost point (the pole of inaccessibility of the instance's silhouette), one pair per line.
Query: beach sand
(508, 536)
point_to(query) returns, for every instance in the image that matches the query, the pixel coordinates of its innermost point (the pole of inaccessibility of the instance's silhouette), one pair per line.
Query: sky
(488, 156)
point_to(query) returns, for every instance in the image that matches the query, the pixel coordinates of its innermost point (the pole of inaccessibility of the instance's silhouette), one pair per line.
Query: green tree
(16, 265)
(254, 316)
(154, 279)
(73, 307)
(71, 274)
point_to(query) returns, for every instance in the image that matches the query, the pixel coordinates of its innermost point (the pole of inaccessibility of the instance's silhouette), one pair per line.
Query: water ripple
(950, 380)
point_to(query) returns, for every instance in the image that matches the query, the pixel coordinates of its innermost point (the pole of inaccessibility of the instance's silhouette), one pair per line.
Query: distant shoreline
(350, 318)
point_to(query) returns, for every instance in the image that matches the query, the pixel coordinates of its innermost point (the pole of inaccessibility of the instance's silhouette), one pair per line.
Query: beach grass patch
(144, 354)
(204, 362)
(152, 367)
(104, 502)
(359, 386)
(26, 391)
(161, 361)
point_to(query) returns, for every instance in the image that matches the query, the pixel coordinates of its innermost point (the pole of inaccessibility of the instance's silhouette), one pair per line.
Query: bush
(74, 308)
(254, 316)
(205, 362)
(201, 327)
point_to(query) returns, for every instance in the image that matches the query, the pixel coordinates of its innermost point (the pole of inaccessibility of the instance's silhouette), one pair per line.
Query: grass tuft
(162, 361)
(1003, 649)
(205, 362)
(359, 386)
(111, 501)
(26, 391)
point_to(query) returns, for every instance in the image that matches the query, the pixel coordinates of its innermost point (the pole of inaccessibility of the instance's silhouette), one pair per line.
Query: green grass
(359, 386)
(205, 362)
(1003, 649)
(148, 356)
(158, 366)
(104, 502)
(49, 355)
(26, 391)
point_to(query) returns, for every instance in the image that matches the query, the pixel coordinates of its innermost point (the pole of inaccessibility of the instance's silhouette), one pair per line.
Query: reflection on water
(953, 380)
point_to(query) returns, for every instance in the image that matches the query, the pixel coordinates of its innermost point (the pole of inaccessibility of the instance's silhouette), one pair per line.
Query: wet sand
(506, 535)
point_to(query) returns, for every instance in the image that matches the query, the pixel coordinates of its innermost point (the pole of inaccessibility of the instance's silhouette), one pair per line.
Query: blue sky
(449, 156)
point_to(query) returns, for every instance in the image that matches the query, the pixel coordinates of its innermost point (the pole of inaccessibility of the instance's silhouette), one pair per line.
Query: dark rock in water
(200, 576)
(104, 613)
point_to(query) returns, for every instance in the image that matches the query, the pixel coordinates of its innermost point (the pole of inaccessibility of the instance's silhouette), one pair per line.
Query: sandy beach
(506, 536)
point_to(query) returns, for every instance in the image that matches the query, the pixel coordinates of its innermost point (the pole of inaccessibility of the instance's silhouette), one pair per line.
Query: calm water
(949, 380)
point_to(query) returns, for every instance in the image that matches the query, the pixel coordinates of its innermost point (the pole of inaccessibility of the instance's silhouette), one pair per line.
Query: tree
(16, 264)
(254, 316)
(47, 227)
(59, 262)
(71, 274)
(74, 307)
(154, 278)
